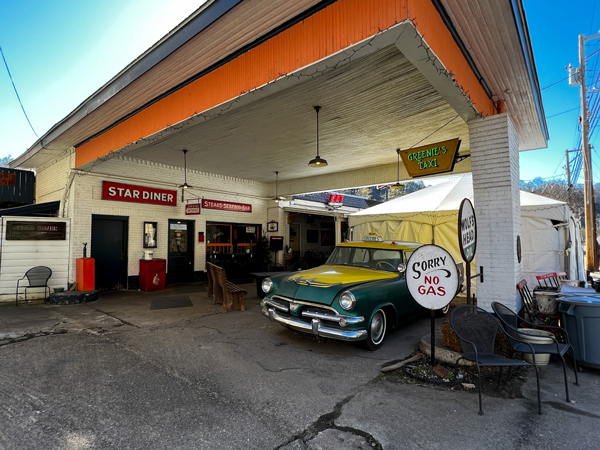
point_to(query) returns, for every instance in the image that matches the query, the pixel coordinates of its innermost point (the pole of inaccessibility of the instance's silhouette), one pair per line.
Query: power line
(430, 134)
(564, 112)
(559, 164)
(17, 93)
(593, 116)
(555, 83)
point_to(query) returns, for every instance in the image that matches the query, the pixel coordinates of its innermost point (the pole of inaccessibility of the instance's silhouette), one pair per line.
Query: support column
(338, 229)
(496, 195)
(279, 215)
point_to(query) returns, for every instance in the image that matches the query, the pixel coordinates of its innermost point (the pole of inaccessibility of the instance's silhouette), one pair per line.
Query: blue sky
(554, 28)
(60, 52)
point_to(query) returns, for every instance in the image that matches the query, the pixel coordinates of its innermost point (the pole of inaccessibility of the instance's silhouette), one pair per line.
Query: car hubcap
(377, 327)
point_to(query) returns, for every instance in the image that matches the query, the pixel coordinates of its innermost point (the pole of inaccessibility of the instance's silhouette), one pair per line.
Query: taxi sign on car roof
(373, 237)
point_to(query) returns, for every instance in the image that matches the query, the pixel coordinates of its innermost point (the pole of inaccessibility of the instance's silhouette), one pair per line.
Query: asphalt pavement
(115, 373)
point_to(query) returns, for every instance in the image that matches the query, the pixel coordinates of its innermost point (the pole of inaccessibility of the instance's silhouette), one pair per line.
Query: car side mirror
(401, 268)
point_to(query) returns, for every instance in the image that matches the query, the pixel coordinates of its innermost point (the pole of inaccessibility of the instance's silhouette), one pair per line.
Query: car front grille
(307, 311)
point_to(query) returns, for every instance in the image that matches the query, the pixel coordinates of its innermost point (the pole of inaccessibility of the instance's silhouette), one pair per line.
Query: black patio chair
(476, 330)
(37, 277)
(511, 322)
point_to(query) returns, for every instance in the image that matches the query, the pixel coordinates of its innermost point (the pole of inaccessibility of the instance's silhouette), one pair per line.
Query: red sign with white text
(336, 199)
(226, 206)
(138, 194)
(192, 209)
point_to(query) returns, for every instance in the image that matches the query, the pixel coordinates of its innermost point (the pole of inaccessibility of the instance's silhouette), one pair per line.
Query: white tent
(550, 238)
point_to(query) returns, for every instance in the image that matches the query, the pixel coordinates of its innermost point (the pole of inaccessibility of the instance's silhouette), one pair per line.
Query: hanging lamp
(184, 186)
(318, 161)
(277, 198)
(398, 185)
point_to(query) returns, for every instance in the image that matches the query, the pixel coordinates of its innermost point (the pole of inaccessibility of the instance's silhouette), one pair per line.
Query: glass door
(180, 266)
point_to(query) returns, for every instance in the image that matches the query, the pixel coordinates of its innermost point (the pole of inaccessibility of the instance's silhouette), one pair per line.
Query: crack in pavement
(65, 325)
(29, 336)
(123, 322)
(326, 422)
(280, 370)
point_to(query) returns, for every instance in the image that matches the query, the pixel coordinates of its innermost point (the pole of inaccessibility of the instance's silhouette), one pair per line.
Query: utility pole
(590, 209)
(568, 170)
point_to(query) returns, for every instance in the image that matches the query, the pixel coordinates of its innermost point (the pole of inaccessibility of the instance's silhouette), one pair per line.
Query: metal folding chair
(550, 281)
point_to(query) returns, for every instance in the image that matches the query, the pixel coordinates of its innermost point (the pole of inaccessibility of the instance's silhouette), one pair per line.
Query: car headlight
(347, 301)
(267, 285)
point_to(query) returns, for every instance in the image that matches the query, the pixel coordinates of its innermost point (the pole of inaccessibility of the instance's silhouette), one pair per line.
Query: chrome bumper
(315, 326)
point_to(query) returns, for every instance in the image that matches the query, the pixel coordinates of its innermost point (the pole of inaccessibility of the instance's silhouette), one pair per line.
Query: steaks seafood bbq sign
(138, 194)
(432, 277)
(226, 206)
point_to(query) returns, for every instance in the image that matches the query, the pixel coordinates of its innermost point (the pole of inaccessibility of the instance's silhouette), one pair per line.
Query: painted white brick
(85, 199)
(51, 178)
(494, 162)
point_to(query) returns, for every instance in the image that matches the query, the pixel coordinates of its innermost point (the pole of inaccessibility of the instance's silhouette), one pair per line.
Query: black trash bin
(581, 318)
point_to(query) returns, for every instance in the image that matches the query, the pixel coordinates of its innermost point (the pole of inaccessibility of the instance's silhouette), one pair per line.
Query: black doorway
(180, 265)
(109, 249)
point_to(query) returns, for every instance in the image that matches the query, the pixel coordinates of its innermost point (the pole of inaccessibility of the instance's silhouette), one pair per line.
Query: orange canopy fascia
(328, 31)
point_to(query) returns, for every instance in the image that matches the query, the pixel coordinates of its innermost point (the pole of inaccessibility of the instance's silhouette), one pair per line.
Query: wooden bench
(224, 291)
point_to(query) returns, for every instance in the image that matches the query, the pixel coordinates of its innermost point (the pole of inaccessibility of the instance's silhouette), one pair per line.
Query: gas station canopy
(236, 85)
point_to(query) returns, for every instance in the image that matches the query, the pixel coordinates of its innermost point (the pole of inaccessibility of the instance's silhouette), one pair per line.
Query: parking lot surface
(115, 373)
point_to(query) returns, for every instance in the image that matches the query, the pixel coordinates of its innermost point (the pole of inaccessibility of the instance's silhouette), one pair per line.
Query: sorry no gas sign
(432, 276)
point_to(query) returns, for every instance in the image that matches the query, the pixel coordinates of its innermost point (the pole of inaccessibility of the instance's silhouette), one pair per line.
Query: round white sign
(432, 276)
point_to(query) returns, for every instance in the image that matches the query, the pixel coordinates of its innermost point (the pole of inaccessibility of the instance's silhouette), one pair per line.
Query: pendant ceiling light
(185, 185)
(318, 161)
(398, 185)
(277, 198)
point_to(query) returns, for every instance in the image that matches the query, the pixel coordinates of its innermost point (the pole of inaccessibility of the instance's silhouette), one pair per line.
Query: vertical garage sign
(468, 230)
(467, 239)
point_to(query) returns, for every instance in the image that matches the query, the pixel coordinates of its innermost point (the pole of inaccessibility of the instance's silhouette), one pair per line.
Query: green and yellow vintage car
(357, 295)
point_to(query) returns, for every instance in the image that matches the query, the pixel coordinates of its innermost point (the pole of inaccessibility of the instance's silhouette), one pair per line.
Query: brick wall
(51, 178)
(85, 199)
(82, 193)
(495, 165)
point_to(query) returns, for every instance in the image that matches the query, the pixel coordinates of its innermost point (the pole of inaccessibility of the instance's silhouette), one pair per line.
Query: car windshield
(371, 258)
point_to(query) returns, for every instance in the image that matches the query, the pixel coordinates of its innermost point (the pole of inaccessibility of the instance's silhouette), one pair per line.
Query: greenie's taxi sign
(430, 159)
